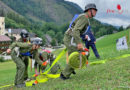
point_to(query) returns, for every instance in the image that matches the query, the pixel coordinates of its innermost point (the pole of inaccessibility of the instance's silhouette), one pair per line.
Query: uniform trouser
(68, 69)
(54, 69)
(93, 46)
(21, 65)
(26, 62)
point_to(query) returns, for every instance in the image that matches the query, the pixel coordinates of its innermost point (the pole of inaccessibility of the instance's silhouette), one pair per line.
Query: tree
(121, 28)
(51, 33)
(53, 42)
(128, 27)
(43, 40)
(59, 37)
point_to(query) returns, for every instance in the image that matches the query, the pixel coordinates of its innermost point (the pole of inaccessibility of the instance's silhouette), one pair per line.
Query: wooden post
(80, 57)
(67, 57)
(31, 65)
(129, 39)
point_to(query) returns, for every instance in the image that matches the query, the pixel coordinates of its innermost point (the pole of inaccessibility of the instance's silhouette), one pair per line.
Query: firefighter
(72, 39)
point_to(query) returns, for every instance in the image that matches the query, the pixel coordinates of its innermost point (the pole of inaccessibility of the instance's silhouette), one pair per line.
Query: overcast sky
(110, 18)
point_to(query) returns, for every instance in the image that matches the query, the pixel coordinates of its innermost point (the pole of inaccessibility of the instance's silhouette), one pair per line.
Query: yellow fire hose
(43, 77)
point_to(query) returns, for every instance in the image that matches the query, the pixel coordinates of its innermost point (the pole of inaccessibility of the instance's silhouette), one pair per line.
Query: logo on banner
(118, 10)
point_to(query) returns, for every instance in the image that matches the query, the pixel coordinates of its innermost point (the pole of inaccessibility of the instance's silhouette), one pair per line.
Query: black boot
(27, 79)
(98, 57)
(20, 85)
(74, 72)
(63, 77)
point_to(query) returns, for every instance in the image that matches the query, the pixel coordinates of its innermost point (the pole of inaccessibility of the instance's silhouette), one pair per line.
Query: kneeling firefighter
(19, 56)
(72, 37)
(47, 57)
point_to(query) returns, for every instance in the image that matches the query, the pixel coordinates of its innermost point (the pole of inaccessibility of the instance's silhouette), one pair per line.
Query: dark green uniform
(26, 59)
(19, 48)
(48, 56)
(78, 28)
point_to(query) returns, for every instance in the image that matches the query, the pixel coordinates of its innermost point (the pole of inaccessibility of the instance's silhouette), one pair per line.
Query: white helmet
(36, 41)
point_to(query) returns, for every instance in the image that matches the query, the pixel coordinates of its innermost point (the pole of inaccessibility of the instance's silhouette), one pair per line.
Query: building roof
(14, 31)
(18, 31)
(4, 38)
(31, 35)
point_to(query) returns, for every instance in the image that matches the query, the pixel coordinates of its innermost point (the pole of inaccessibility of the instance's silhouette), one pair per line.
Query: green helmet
(36, 41)
(90, 6)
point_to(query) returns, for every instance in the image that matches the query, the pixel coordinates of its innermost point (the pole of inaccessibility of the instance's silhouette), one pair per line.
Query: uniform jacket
(78, 28)
(25, 47)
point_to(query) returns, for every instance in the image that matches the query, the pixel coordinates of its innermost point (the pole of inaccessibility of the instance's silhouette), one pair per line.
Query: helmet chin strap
(91, 12)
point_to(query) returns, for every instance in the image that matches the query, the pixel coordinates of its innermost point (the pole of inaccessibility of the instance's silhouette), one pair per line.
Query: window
(3, 23)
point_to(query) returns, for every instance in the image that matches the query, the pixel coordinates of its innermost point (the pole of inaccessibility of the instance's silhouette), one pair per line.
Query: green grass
(104, 76)
(7, 72)
(111, 75)
(107, 46)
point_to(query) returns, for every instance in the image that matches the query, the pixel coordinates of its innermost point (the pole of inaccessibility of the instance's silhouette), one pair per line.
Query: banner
(121, 43)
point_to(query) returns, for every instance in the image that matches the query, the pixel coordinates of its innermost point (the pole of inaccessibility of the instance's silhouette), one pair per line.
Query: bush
(2, 59)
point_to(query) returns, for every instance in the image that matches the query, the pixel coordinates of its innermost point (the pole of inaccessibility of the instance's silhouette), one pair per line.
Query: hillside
(111, 75)
(58, 11)
(5, 9)
(107, 45)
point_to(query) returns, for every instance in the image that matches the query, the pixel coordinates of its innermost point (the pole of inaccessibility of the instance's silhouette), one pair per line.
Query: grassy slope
(7, 72)
(113, 74)
(107, 46)
(105, 76)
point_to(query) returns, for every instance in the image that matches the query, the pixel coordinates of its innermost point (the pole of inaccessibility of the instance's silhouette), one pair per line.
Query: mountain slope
(4, 9)
(58, 11)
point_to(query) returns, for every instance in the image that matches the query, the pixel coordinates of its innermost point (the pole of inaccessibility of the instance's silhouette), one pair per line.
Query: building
(5, 41)
(2, 25)
(14, 32)
(48, 40)
(32, 35)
